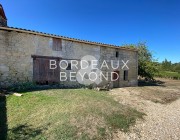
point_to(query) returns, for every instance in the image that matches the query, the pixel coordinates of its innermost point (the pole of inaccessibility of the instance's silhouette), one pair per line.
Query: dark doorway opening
(116, 78)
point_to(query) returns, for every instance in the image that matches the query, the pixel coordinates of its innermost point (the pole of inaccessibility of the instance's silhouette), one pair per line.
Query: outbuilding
(26, 56)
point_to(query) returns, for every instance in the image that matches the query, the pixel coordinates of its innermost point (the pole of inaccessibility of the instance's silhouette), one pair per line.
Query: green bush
(20, 87)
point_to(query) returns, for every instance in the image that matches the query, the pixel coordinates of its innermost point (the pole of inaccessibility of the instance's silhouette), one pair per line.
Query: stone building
(25, 56)
(3, 19)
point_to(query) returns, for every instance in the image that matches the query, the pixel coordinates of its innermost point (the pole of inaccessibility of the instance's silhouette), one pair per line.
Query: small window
(125, 75)
(57, 44)
(69, 66)
(117, 54)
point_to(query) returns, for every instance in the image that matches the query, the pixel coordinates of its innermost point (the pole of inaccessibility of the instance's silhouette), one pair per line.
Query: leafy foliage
(147, 65)
(167, 69)
(19, 87)
(169, 66)
(177, 67)
(166, 65)
(168, 74)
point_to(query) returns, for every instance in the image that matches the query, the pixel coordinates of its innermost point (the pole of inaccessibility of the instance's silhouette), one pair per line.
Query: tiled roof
(65, 38)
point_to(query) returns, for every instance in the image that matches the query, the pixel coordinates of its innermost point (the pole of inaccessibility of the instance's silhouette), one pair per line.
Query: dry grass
(166, 92)
(160, 103)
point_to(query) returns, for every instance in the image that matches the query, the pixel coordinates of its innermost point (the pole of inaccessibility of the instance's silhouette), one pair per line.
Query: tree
(147, 67)
(177, 67)
(167, 65)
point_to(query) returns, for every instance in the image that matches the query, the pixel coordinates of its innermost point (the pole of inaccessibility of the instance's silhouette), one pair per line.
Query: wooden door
(116, 82)
(42, 74)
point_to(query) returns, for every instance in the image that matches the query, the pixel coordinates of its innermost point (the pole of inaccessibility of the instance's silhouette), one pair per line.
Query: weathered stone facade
(17, 47)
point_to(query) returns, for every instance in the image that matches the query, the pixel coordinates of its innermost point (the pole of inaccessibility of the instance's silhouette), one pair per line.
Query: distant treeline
(167, 69)
(148, 67)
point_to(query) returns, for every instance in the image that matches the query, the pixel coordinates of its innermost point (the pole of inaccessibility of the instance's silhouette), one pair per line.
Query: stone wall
(124, 55)
(16, 63)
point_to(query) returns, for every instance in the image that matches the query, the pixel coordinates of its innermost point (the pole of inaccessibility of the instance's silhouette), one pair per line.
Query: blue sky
(156, 22)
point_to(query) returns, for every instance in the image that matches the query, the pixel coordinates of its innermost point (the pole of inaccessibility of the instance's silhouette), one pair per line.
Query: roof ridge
(67, 38)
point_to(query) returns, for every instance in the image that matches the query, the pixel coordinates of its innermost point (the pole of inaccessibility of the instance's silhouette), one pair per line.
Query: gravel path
(161, 123)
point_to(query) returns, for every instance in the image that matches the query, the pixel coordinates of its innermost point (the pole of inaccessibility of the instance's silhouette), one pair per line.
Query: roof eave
(66, 38)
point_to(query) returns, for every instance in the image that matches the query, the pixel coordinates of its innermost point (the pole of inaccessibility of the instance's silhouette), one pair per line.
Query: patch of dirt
(161, 104)
(159, 94)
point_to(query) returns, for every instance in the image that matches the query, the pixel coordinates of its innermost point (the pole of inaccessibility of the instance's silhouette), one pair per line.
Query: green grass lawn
(66, 114)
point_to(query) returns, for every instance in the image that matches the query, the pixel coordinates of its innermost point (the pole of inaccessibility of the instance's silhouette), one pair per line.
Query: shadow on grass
(21, 132)
(3, 117)
(143, 83)
(24, 132)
